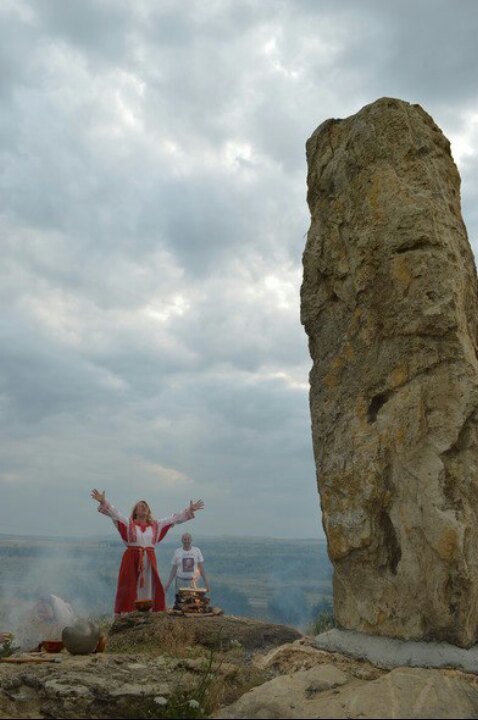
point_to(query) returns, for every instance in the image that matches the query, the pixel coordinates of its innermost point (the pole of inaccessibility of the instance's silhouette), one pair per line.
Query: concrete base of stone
(391, 652)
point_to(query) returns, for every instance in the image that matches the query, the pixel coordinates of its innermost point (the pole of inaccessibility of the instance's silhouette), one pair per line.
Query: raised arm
(164, 524)
(106, 508)
(187, 514)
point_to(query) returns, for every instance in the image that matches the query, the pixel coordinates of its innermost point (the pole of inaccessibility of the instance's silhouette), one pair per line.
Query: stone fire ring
(391, 652)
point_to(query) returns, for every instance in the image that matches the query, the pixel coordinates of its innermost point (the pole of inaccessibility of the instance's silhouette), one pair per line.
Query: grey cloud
(41, 378)
(99, 29)
(222, 434)
(15, 42)
(431, 49)
(246, 338)
(141, 335)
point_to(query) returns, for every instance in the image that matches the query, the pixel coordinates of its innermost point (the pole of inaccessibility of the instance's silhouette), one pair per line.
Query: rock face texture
(291, 681)
(390, 305)
(324, 691)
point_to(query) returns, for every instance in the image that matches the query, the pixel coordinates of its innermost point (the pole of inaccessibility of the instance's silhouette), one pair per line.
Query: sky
(152, 223)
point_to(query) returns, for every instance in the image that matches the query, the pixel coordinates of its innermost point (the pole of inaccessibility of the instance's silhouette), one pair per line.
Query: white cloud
(465, 141)
(167, 476)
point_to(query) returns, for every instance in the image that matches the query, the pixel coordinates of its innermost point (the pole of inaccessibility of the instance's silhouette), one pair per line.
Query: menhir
(389, 302)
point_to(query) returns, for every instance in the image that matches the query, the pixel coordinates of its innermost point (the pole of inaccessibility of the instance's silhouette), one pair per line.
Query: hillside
(165, 667)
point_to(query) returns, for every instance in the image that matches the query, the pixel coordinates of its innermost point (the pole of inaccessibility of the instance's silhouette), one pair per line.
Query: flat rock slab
(100, 686)
(391, 652)
(303, 655)
(327, 692)
(120, 686)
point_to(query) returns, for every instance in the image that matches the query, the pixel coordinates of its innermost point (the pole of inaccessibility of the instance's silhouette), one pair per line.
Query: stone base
(390, 652)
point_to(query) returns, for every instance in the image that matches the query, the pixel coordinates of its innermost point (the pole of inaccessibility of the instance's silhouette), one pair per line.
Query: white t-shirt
(187, 562)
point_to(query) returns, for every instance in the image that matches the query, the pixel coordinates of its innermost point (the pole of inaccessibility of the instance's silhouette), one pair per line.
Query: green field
(285, 581)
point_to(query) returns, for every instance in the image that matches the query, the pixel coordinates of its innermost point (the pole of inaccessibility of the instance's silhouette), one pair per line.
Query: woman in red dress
(138, 576)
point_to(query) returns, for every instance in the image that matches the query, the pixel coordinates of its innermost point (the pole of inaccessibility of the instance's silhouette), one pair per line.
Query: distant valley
(286, 581)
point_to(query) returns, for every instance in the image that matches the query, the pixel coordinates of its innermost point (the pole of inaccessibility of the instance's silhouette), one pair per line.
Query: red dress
(138, 577)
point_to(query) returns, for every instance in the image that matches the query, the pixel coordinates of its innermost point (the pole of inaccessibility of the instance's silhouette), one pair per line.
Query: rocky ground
(159, 667)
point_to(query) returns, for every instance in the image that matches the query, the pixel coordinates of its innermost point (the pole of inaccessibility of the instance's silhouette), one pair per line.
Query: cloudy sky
(152, 222)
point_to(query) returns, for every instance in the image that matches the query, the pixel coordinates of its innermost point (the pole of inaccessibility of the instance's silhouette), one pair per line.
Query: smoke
(290, 606)
(83, 576)
(299, 584)
(276, 580)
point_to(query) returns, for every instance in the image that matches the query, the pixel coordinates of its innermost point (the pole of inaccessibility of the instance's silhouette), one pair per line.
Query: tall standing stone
(389, 302)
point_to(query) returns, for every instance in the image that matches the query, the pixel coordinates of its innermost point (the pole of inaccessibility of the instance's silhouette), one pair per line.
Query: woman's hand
(99, 497)
(194, 506)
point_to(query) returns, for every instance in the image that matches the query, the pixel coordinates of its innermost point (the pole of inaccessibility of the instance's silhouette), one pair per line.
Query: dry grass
(176, 639)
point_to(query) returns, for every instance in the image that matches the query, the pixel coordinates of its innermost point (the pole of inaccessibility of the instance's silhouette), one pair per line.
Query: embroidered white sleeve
(177, 518)
(106, 508)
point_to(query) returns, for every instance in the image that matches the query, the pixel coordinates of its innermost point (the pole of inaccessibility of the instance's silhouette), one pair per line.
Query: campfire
(192, 601)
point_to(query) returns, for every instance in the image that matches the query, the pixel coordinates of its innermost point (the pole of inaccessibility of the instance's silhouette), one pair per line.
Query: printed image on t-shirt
(188, 564)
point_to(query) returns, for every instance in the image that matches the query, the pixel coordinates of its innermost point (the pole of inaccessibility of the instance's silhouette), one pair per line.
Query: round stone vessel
(81, 638)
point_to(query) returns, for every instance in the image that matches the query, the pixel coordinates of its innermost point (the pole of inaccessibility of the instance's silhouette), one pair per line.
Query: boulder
(326, 692)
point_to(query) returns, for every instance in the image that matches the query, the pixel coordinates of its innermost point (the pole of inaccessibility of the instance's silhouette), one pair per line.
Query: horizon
(115, 538)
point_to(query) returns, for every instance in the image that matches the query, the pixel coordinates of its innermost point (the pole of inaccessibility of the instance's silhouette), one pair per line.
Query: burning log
(192, 601)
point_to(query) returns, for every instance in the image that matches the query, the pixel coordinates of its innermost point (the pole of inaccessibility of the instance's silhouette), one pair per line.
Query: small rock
(31, 680)
(328, 677)
(55, 688)
(22, 694)
(137, 666)
(366, 672)
(136, 690)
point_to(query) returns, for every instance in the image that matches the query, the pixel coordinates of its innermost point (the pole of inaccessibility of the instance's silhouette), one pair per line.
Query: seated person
(46, 620)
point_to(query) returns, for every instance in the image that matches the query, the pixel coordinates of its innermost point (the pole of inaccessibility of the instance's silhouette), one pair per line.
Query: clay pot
(143, 605)
(81, 638)
(52, 646)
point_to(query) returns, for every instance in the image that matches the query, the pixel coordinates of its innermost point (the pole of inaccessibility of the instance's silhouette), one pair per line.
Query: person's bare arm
(172, 575)
(203, 575)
